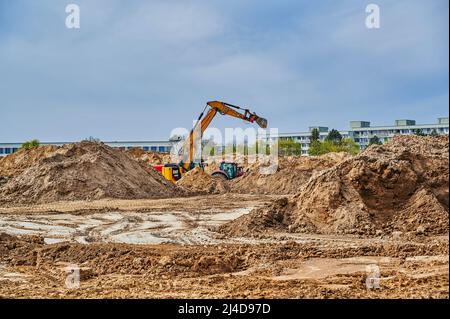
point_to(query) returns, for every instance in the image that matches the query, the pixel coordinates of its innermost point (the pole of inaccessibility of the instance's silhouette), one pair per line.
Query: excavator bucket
(262, 122)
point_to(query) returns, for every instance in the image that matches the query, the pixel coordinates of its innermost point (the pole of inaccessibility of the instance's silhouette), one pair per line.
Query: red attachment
(158, 167)
(251, 119)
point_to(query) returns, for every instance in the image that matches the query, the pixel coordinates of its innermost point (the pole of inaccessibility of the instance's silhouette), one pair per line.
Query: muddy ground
(374, 225)
(169, 248)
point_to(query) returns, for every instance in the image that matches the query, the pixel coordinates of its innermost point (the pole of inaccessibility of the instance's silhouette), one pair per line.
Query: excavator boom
(224, 109)
(230, 109)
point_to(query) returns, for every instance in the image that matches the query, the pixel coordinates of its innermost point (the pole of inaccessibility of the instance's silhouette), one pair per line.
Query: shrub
(30, 144)
(289, 147)
(346, 145)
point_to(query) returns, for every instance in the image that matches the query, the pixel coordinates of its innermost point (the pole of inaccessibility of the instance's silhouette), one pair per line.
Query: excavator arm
(224, 109)
(230, 110)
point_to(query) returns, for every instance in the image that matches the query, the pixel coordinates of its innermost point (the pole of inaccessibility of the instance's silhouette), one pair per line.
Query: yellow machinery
(173, 172)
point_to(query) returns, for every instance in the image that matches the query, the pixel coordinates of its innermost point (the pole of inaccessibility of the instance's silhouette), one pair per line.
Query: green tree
(30, 144)
(375, 140)
(260, 146)
(315, 135)
(289, 147)
(434, 132)
(348, 145)
(334, 136)
(208, 147)
(257, 147)
(317, 148)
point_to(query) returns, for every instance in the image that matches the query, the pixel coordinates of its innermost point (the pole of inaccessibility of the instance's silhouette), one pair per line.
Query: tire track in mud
(121, 227)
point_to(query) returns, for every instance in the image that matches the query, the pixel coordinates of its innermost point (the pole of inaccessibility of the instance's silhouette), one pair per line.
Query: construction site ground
(373, 225)
(165, 248)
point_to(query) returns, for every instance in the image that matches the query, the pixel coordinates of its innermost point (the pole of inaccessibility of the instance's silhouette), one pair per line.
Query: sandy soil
(116, 244)
(188, 204)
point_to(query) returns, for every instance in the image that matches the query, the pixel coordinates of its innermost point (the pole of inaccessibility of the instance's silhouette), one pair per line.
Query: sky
(137, 69)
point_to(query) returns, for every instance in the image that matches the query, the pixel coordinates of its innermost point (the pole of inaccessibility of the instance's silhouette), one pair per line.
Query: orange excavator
(174, 172)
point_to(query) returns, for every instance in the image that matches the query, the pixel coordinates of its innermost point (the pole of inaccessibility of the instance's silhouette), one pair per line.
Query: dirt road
(168, 249)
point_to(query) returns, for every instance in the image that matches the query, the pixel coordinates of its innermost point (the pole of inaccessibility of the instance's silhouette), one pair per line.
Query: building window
(146, 148)
(8, 150)
(2, 151)
(153, 148)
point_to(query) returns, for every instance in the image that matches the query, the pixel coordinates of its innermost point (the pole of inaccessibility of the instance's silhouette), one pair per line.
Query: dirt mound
(292, 172)
(196, 180)
(400, 186)
(151, 158)
(267, 218)
(14, 164)
(84, 171)
(422, 214)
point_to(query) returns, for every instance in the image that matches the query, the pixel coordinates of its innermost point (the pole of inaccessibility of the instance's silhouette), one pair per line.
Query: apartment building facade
(361, 132)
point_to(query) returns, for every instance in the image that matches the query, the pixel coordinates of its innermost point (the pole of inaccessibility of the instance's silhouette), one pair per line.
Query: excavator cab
(228, 170)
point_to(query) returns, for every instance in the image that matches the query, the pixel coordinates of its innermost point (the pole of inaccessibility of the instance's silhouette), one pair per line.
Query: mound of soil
(14, 164)
(292, 172)
(400, 186)
(83, 171)
(196, 180)
(150, 158)
(422, 214)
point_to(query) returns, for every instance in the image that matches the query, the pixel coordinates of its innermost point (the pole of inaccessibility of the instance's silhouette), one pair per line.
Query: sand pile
(401, 186)
(14, 164)
(196, 180)
(84, 171)
(151, 158)
(211, 167)
(292, 172)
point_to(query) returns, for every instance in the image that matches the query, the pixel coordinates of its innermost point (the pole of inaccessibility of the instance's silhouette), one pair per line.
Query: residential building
(361, 132)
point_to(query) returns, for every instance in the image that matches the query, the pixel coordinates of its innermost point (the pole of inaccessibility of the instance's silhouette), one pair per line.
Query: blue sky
(137, 69)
